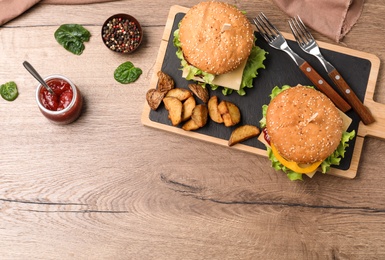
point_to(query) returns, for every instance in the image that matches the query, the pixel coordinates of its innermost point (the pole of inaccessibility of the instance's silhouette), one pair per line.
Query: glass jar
(62, 107)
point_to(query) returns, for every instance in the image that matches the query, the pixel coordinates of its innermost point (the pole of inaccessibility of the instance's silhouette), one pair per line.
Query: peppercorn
(121, 35)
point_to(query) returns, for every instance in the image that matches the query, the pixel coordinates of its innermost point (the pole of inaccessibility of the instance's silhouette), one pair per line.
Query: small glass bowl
(69, 113)
(122, 33)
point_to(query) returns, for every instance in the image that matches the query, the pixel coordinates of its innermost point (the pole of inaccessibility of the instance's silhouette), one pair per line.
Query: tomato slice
(9, 91)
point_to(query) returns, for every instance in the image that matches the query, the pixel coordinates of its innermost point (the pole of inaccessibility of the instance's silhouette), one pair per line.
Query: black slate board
(280, 70)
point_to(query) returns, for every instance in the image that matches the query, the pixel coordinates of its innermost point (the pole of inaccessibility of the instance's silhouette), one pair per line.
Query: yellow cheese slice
(346, 121)
(293, 165)
(232, 79)
(261, 138)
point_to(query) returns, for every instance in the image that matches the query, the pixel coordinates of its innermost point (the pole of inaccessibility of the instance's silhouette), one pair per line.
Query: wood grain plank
(106, 187)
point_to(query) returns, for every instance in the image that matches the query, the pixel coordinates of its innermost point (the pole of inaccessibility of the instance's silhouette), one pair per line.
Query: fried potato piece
(230, 113)
(222, 107)
(154, 98)
(200, 115)
(165, 82)
(180, 93)
(188, 106)
(174, 107)
(242, 133)
(201, 92)
(190, 125)
(213, 110)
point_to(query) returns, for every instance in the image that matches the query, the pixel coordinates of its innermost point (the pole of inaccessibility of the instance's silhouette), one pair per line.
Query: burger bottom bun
(304, 125)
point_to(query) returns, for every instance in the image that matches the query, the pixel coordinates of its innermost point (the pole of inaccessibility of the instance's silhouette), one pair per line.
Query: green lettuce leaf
(254, 62)
(292, 175)
(333, 159)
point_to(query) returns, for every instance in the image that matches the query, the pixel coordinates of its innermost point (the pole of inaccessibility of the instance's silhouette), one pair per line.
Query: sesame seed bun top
(304, 125)
(215, 37)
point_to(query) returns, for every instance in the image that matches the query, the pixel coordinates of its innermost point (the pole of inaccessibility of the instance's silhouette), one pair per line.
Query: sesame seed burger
(304, 130)
(216, 39)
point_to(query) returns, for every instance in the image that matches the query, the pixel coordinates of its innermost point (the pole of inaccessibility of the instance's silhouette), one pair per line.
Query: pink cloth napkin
(10, 9)
(332, 18)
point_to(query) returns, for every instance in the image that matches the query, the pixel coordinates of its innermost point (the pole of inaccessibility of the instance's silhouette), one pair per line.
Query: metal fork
(307, 43)
(276, 40)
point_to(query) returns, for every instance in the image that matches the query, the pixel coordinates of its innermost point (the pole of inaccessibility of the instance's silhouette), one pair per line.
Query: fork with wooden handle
(307, 43)
(276, 40)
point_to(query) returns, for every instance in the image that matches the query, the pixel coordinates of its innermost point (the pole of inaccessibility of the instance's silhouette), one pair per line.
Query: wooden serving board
(359, 69)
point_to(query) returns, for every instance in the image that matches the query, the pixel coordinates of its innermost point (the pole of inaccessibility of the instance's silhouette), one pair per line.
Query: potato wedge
(222, 108)
(174, 107)
(230, 113)
(188, 106)
(165, 82)
(190, 125)
(199, 91)
(180, 93)
(234, 112)
(227, 120)
(200, 115)
(154, 98)
(213, 110)
(242, 133)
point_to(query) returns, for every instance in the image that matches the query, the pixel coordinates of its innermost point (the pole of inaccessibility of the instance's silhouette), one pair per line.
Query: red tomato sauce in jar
(62, 97)
(65, 105)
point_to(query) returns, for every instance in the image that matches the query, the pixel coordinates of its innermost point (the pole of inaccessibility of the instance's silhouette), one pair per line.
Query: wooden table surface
(107, 187)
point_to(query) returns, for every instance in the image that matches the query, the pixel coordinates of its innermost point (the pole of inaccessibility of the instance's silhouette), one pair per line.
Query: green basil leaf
(9, 91)
(127, 73)
(72, 37)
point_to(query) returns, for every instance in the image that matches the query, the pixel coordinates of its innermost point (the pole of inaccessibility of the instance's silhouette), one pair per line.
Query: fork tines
(300, 32)
(268, 31)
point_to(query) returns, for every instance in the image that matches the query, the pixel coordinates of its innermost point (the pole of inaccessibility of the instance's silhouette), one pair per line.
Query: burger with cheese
(303, 131)
(216, 46)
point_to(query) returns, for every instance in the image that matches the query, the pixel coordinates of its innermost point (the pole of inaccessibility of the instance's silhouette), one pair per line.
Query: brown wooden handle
(324, 87)
(362, 111)
(376, 129)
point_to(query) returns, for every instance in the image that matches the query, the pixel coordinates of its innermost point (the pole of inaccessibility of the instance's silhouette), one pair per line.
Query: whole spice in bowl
(122, 33)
